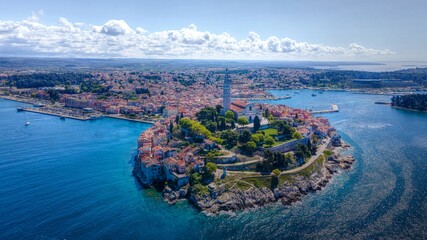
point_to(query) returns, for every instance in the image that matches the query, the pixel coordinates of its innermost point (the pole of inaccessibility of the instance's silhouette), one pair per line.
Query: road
(312, 159)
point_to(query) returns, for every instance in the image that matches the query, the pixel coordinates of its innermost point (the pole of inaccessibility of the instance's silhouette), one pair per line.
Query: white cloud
(117, 39)
(114, 28)
(35, 16)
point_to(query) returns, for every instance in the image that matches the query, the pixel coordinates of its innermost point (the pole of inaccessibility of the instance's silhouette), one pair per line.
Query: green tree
(266, 113)
(171, 126)
(232, 124)
(269, 141)
(258, 139)
(230, 138)
(211, 167)
(257, 124)
(210, 156)
(244, 136)
(218, 109)
(279, 125)
(229, 114)
(302, 152)
(211, 126)
(194, 128)
(242, 121)
(288, 131)
(289, 158)
(276, 172)
(222, 125)
(250, 147)
(195, 178)
(296, 135)
(207, 114)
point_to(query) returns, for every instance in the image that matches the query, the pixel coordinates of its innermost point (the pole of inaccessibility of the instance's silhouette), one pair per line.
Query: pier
(82, 118)
(263, 98)
(334, 108)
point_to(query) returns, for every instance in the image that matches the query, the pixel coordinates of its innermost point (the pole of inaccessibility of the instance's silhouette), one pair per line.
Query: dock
(34, 110)
(334, 108)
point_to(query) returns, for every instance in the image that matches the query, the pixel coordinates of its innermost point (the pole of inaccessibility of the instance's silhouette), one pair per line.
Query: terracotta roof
(239, 103)
(236, 108)
(156, 148)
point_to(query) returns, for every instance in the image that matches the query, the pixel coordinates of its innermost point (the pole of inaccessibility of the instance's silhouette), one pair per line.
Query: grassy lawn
(259, 182)
(313, 167)
(270, 131)
(273, 132)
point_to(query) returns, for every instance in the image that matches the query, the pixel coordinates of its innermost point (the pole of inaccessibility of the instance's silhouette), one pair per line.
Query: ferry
(27, 123)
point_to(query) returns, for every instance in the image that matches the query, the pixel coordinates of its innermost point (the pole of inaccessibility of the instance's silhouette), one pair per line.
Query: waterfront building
(150, 170)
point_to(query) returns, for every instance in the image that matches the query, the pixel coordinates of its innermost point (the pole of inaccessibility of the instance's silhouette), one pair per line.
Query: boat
(95, 117)
(27, 123)
(38, 105)
(20, 109)
(62, 117)
(313, 95)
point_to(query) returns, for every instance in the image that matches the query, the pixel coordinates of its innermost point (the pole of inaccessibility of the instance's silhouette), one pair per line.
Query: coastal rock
(234, 200)
(276, 193)
(220, 199)
(290, 194)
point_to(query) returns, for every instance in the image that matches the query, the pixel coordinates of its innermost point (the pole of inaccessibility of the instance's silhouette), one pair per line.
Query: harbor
(77, 115)
(58, 114)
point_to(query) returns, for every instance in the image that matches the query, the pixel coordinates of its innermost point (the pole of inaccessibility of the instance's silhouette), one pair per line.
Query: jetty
(262, 98)
(61, 115)
(334, 108)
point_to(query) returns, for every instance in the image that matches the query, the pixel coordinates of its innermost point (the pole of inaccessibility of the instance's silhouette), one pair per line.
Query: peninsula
(239, 155)
(214, 140)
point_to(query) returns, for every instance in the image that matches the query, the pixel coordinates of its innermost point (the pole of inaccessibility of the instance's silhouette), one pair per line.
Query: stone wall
(288, 146)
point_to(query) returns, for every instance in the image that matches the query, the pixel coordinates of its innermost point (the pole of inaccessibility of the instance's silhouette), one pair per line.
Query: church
(240, 108)
(246, 109)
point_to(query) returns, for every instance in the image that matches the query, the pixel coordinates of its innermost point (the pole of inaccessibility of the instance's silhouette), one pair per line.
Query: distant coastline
(34, 110)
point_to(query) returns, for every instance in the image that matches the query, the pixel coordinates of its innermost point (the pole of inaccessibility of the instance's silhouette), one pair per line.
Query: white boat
(27, 123)
(38, 105)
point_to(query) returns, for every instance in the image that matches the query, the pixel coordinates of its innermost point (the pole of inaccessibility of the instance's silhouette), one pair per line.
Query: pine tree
(170, 126)
(257, 124)
(233, 125)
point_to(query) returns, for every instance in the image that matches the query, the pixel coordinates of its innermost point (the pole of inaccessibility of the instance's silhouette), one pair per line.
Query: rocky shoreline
(289, 190)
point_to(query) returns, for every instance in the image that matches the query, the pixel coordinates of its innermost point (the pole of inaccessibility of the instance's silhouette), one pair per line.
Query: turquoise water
(72, 179)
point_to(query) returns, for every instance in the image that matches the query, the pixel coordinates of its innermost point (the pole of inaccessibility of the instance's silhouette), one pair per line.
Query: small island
(239, 155)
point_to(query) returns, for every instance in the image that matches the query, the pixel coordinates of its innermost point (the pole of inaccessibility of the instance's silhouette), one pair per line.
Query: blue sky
(270, 29)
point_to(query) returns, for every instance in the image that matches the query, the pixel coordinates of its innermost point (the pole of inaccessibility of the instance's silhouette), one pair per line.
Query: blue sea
(69, 179)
